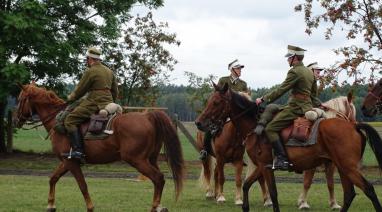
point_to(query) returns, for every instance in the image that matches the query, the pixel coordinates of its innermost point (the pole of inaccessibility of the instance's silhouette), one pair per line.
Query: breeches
(282, 120)
(79, 115)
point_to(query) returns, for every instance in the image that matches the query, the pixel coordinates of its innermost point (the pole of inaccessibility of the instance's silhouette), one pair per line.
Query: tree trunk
(3, 104)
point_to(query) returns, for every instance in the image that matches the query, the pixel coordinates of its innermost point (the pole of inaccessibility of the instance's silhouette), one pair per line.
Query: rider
(235, 83)
(317, 74)
(300, 80)
(100, 85)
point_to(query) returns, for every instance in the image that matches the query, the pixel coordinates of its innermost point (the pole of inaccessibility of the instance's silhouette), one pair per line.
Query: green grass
(28, 193)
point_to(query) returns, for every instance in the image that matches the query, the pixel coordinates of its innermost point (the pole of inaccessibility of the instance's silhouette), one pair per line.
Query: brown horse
(338, 140)
(227, 148)
(372, 103)
(137, 139)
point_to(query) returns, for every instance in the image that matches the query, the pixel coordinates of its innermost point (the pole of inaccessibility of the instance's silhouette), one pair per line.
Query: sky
(256, 32)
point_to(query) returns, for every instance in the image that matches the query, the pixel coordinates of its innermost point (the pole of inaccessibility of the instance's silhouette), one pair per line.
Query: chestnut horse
(339, 141)
(372, 103)
(227, 147)
(137, 139)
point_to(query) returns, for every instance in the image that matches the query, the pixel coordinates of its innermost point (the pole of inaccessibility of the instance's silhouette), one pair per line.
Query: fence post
(9, 132)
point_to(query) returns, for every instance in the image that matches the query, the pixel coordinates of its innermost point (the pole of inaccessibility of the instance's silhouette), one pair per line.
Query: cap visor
(289, 55)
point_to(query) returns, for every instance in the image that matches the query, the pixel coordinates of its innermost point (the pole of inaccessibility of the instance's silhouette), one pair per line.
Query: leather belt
(101, 89)
(300, 96)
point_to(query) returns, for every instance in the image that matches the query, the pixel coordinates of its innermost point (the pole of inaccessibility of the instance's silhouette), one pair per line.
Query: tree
(141, 61)
(43, 39)
(198, 89)
(359, 20)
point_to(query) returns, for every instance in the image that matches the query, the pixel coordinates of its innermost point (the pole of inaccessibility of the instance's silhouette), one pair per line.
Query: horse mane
(41, 95)
(242, 100)
(340, 104)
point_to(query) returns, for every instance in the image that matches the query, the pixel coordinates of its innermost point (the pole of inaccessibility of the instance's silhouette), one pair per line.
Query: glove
(259, 129)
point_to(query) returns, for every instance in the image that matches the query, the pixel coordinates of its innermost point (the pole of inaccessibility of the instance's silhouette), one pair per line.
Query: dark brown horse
(372, 103)
(137, 139)
(338, 140)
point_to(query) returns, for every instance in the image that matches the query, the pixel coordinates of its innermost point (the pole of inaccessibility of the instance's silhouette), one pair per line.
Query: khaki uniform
(300, 80)
(100, 85)
(238, 85)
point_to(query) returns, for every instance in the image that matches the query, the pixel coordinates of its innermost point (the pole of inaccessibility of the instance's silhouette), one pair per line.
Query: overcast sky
(257, 32)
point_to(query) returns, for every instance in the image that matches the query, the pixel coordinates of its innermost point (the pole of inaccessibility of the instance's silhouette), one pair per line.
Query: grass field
(28, 193)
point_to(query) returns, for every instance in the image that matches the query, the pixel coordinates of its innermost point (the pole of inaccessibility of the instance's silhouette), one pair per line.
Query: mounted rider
(300, 80)
(97, 88)
(235, 83)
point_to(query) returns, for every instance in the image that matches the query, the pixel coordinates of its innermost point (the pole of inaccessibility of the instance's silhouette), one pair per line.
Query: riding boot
(281, 160)
(206, 146)
(77, 149)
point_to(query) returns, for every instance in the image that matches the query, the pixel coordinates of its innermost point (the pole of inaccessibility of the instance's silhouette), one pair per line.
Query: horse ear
(20, 85)
(225, 87)
(215, 86)
(350, 97)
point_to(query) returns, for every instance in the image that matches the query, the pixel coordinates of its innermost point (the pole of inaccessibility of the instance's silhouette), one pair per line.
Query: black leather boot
(76, 151)
(281, 160)
(206, 146)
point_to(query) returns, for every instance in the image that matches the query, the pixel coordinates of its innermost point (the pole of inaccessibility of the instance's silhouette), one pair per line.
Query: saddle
(97, 127)
(299, 130)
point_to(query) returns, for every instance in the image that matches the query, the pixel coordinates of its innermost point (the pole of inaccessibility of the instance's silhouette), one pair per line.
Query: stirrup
(286, 166)
(203, 155)
(74, 155)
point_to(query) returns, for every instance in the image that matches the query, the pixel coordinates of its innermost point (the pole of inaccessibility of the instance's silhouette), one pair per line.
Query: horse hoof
(51, 210)
(90, 209)
(161, 209)
(210, 195)
(303, 206)
(220, 199)
(268, 203)
(239, 202)
(334, 206)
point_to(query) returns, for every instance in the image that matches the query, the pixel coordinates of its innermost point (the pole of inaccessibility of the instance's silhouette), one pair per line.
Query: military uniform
(237, 84)
(301, 82)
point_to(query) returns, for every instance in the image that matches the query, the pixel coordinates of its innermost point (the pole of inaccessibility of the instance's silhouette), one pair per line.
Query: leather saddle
(299, 130)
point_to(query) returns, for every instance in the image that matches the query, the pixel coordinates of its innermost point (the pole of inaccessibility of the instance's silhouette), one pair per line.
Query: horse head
(372, 103)
(222, 104)
(217, 109)
(30, 99)
(25, 109)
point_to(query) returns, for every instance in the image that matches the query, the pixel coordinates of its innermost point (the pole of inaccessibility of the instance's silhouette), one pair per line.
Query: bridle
(216, 127)
(29, 119)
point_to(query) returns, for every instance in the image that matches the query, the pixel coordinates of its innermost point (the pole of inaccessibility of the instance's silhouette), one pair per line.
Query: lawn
(29, 193)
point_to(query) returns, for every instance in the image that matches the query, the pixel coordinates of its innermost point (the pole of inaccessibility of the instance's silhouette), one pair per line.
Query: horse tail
(374, 140)
(166, 132)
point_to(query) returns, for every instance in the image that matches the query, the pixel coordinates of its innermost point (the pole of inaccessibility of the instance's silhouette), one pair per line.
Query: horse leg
(264, 190)
(75, 169)
(153, 173)
(271, 183)
(357, 179)
(56, 175)
(219, 180)
(247, 185)
(205, 177)
(239, 169)
(349, 193)
(329, 172)
(302, 201)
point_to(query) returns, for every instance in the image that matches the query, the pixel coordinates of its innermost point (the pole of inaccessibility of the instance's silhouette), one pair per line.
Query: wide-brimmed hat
(235, 64)
(314, 66)
(93, 52)
(294, 50)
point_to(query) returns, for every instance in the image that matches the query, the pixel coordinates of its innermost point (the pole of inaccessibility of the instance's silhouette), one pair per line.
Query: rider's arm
(114, 88)
(314, 95)
(82, 88)
(289, 82)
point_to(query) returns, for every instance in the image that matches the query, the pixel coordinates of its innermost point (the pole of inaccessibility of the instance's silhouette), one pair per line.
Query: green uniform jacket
(300, 80)
(99, 83)
(238, 85)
